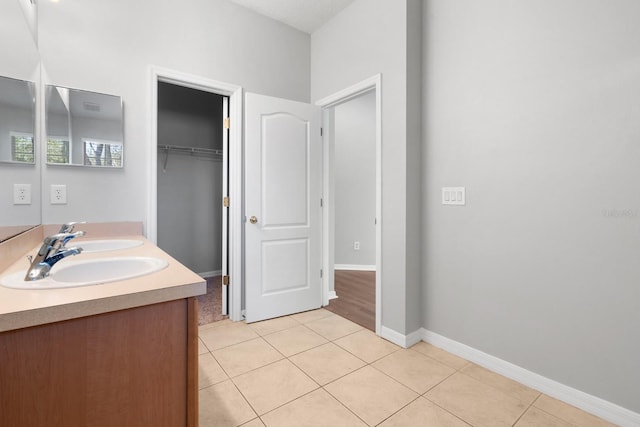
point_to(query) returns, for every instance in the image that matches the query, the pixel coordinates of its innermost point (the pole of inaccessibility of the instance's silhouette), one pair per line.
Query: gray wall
(108, 47)
(355, 180)
(534, 106)
(190, 187)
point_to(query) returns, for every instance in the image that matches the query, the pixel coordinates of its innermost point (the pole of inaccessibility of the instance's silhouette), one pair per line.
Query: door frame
(373, 83)
(234, 92)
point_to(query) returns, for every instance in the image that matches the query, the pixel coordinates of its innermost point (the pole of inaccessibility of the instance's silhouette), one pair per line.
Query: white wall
(534, 106)
(355, 181)
(108, 47)
(366, 38)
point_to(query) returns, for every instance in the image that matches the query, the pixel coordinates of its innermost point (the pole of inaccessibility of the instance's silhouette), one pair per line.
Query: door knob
(253, 220)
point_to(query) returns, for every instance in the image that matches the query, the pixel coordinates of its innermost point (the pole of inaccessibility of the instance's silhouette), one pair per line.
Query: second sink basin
(88, 272)
(90, 246)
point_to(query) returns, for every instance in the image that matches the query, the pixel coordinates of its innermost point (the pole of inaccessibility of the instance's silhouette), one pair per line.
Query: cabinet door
(125, 368)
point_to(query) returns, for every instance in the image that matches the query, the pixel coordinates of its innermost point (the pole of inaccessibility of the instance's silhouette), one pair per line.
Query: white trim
(332, 295)
(355, 267)
(213, 273)
(397, 338)
(373, 83)
(592, 404)
(234, 92)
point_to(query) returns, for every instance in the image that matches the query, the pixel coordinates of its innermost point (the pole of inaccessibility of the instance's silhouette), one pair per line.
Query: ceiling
(304, 15)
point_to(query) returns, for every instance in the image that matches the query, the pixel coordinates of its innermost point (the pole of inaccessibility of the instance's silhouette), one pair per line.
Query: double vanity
(109, 337)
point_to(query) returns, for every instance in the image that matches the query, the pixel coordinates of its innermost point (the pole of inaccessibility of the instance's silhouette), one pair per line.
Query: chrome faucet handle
(68, 227)
(58, 241)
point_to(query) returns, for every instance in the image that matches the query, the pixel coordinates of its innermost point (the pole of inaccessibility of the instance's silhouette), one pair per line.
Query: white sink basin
(89, 272)
(90, 246)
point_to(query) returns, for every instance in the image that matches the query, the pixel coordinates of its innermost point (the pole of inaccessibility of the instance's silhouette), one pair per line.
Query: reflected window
(22, 147)
(58, 150)
(102, 153)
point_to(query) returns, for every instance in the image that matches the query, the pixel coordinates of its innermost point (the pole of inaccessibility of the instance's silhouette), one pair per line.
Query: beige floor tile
(254, 423)
(274, 385)
(295, 340)
(504, 384)
(270, 326)
(370, 394)
(225, 322)
(327, 363)
(246, 356)
(316, 409)
(217, 338)
(440, 355)
(222, 405)
(366, 345)
(209, 371)
(417, 371)
(333, 327)
(421, 412)
(535, 417)
(475, 402)
(568, 413)
(310, 316)
(201, 347)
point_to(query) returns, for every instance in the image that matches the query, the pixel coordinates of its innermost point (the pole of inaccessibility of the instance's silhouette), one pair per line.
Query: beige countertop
(20, 308)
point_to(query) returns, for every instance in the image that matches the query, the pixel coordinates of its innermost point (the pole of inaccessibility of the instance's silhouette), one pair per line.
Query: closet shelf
(212, 153)
(191, 150)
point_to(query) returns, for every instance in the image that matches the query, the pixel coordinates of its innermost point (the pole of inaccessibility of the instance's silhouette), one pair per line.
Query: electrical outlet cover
(58, 194)
(21, 194)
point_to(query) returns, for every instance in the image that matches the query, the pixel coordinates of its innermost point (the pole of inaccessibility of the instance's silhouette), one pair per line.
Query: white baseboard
(332, 295)
(397, 338)
(354, 267)
(592, 404)
(213, 273)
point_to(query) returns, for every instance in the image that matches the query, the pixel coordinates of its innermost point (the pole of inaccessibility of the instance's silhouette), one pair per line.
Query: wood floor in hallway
(356, 300)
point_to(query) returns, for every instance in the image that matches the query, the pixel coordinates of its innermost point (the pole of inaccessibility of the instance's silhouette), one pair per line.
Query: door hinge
(321, 273)
(225, 280)
(227, 123)
(320, 131)
(225, 202)
(321, 203)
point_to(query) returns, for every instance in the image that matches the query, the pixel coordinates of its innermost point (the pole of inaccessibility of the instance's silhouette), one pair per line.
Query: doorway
(191, 186)
(231, 186)
(370, 87)
(353, 165)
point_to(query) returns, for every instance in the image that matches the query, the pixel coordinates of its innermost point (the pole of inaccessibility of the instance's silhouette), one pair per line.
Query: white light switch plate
(453, 196)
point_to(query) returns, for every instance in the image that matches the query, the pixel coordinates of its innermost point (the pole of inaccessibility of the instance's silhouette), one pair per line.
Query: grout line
(446, 410)
(344, 405)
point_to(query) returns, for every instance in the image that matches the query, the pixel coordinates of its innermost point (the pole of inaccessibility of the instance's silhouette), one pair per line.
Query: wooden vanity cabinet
(134, 367)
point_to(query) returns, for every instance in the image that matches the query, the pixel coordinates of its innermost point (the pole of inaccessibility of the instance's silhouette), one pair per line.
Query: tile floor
(319, 369)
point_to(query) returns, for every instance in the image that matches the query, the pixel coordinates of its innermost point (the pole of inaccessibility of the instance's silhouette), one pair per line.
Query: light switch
(453, 196)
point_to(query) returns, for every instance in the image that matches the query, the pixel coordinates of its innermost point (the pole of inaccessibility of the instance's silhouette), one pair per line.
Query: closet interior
(190, 185)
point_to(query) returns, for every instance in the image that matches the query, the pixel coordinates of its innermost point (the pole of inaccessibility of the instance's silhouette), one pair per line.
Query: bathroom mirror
(19, 148)
(17, 121)
(83, 128)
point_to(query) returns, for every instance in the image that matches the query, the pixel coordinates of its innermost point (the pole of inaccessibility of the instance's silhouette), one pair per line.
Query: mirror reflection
(19, 150)
(17, 121)
(83, 128)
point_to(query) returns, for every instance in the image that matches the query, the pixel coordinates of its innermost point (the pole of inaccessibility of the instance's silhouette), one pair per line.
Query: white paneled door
(283, 190)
